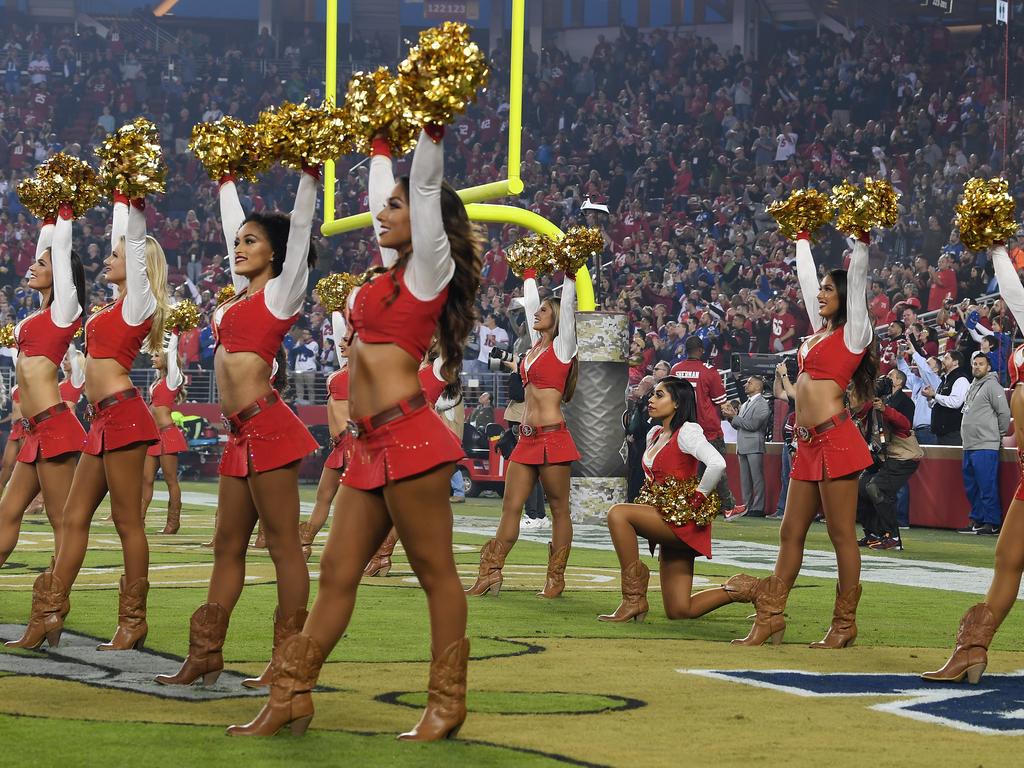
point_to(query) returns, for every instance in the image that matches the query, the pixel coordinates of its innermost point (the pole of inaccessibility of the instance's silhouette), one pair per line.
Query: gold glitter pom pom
(985, 214)
(861, 209)
(577, 248)
(537, 252)
(805, 210)
(60, 180)
(671, 498)
(300, 135)
(132, 161)
(378, 102)
(79, 333)
(444, 72)
(333, 290)
(229, 147)
(225, 294)
(184, 316)
(7, 335)
(33, 196)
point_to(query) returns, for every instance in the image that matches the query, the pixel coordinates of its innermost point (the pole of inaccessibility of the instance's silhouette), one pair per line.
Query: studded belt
(809, 433)
(118, 397)
(529, 431)
(234, 422)
(42, 416)
(365, 425)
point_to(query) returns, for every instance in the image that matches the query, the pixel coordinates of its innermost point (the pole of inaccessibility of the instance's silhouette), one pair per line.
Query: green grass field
(549, 684)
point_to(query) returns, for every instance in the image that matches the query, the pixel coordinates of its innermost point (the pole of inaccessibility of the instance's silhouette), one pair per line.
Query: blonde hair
(156, 271)
(574, 366)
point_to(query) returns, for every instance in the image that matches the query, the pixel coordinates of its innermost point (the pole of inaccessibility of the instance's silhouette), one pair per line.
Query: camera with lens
(498, 358)
(883, 387)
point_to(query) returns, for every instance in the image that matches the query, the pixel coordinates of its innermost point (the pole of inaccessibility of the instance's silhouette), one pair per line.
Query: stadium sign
(445, 11)
(946, 6)
(995, 706)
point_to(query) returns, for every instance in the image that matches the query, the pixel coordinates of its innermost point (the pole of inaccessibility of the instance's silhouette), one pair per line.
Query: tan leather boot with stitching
(284, 627)
(131, 617)
(769, 600)
(492, 560)
(554, 584)
(970, 657)
(843, 630)
(46, 621)
(635, 578)
(446, 697)
(380, 563)
(207, 629)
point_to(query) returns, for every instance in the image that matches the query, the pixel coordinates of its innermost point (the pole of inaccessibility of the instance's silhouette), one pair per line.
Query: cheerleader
(164, 394)
(831, 453)
(545, 447)
(403, 455)
(673, 451)
(121, 430)
(259, 471)
(53, 435)
(73, 384)
(979, 624)
(14, 440)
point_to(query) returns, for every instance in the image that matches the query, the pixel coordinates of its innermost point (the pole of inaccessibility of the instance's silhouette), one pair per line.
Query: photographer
(897, 455)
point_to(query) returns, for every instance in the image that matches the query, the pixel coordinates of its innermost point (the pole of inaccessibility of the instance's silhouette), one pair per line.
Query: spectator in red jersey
(710, 391)
(943, 283)
(879, 303)
(783, 336)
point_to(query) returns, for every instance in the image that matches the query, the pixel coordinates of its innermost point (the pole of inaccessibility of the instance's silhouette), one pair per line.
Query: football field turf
(549, 684)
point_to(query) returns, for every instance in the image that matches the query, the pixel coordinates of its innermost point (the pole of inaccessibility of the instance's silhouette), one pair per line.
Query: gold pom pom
(229, 147)
(537, 252)
(33, 196)
(132, 161)
(184, 316)
(804, 211)
(985, 214)
(333, 290)
(378, 102)
(79, 333)
(300, 135)
(225, 294)
(671, 498)
(443, 72)
(7, 335)
(61, 180)
(861, 209)
(578, 246)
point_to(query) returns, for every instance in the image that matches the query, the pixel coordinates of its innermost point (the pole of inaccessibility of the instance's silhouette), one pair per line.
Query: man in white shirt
(785, 144)
(306, 353)
(490, 335)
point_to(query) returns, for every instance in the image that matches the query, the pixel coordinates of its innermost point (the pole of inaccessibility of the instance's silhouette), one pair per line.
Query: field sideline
(549, 685)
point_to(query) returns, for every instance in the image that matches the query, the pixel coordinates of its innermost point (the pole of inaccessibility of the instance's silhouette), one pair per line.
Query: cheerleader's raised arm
(286, 293)
(231, 218)
(1010, 289)
(380, 184)
(65, 308)
(139, 301)
(564, 343)
(431, 265)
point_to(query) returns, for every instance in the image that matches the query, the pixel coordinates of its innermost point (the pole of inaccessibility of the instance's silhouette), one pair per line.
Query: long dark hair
(277, 225)
(457, 315)
(685, 399)
(78, 276)
(863, 380)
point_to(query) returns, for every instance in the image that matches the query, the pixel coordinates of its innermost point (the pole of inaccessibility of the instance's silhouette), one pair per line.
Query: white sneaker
(544, 523)
(529, 524)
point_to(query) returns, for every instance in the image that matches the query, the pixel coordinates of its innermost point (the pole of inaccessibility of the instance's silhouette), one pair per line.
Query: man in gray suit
(750, 422)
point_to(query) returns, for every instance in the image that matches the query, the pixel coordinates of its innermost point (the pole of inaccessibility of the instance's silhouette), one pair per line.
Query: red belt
(42, 416)
(169, 426)
(528, 431)
(809, 433)
(365, 425)
(234, 422)
(118, 397)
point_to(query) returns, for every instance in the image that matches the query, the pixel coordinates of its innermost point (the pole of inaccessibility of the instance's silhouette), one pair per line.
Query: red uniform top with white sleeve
(1012, 293)
(163, 393)
(337, 390)
(710, 392)
(678, 458)
(417, 440)
(72, 386)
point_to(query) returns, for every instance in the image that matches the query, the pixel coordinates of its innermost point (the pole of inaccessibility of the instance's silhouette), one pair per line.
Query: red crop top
(38, 336)
(546, 371)
(337, 385)
(108, 336)
(162, 396)
(1017, 366)
(15, 395)
(829, 359)
(69, 393)
(378, 317)
(246, 325)
(431, 385)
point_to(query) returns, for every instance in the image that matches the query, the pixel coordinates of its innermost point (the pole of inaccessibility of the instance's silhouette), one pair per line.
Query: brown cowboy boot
(206, 631)
(769, 601)
(970, 657)
(446, 699)
(284, 627)
(46, 621)
(380, 563)
(843, 631)
(635, 578)
(131, 617)
(173, 521)
(741, 588)
(555, 582)
(492, 560)
(65, 609)
(294, 670)
(261, 540)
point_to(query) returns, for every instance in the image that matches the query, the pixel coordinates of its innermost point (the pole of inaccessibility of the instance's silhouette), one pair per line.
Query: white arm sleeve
(857, 333)
(651, 433)
(139, 302)
(431, 266)
(807, 274)
(1010, 288)
(957, 395)
(381, 182)
(338, 327)
(45, 239)
(691, 440)
(565, 342)
(979, 332)
(531, 301)
(929, 377)
(65, 308)
(285, 293)
(174, 377)
(231, 218)
(118, 223)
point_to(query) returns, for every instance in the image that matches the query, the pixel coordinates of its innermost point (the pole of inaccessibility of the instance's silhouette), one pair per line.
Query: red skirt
(172, 440)
(696, 537)
(124, 423)
(60, 434)
(17, 430)
(410, 445)
(271, 439)
(839, 452)
(341, 449)
(555, 447)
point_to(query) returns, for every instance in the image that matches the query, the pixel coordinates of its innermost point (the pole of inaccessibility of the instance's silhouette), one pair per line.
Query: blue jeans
(787, 467)
(981, 483)
(458, 487)
(925, 436)
(903, 507)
